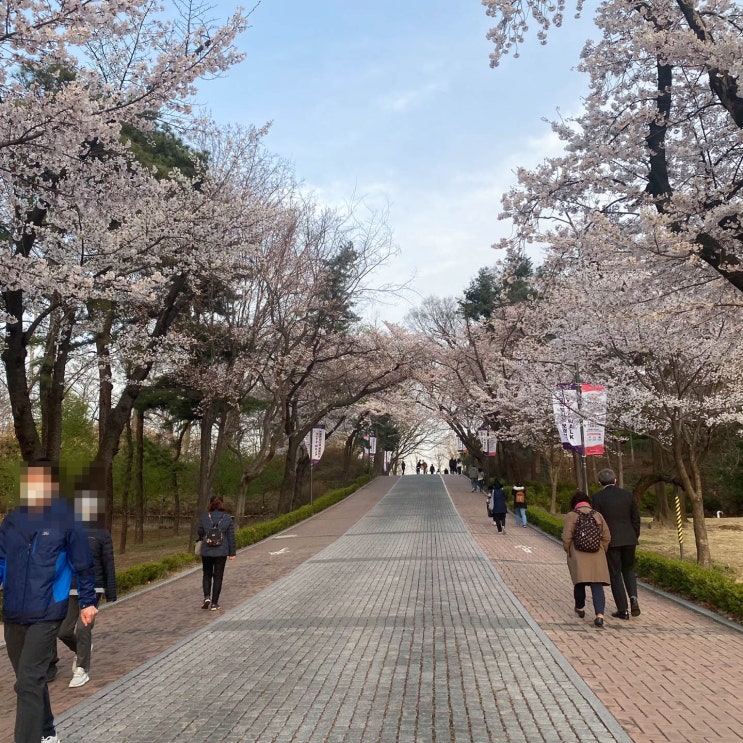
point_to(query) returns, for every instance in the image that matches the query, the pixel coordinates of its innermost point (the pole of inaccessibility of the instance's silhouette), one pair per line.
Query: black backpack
(587, 534)
(214, 537)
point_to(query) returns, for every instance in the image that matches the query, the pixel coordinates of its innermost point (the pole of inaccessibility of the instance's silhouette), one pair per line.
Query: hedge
(709, 588)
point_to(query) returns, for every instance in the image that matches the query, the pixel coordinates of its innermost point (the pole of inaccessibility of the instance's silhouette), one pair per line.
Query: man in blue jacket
(41, 546)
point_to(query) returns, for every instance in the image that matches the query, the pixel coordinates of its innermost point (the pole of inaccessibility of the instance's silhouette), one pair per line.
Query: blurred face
(38, 488)
(88, 506)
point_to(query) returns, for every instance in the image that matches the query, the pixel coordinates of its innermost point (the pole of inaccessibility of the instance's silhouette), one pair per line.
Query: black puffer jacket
(102, 547)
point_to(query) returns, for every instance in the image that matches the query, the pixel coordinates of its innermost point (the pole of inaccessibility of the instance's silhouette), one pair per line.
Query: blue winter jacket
(39, 552)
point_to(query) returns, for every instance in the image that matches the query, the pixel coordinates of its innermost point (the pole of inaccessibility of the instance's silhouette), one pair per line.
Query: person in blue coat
(215, 556)
(41, 547)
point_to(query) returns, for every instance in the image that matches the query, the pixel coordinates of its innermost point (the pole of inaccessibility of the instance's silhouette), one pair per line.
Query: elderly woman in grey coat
(587, 568)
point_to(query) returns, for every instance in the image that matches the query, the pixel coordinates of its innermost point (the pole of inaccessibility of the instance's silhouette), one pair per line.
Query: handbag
(197, 547)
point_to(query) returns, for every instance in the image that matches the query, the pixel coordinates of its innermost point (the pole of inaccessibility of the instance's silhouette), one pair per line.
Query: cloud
(403, 101)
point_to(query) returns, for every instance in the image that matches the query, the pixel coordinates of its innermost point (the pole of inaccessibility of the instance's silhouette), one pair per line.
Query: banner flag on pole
(492, 444)
(318, 443)
(593, 410)
(372, 445)
(482, 434)
(580, 415)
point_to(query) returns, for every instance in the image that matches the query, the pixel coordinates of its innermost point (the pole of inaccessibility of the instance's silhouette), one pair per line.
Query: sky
(393, 105)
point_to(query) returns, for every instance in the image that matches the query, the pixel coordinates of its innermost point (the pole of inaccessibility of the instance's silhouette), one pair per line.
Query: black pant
(213, 573)
(621, 561)
(597, 594)
(77, 636)
(31, 649)
(500, 521)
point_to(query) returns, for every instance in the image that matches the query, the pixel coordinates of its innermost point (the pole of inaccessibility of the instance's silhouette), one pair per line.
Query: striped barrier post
(680, 527)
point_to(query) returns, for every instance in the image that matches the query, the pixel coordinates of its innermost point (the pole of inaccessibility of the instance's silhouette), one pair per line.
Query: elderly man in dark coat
(619, 509)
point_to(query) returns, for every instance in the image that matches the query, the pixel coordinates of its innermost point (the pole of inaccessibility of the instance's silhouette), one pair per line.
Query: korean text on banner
(372, 445)
(593, 410)
(318, 443)
(567, 417)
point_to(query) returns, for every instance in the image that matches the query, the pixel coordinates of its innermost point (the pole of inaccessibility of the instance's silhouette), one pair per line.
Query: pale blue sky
(394, 102)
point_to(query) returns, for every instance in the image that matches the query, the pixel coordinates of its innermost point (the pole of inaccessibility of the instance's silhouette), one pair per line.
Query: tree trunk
(205, 450)
(14, 360)
(692, 484)
(139, 508)
(347, 454)
(127, 486)
(52, 381)
(663, 513)
(105, 392)
(174, 480)
(286, 495)
(620, 465)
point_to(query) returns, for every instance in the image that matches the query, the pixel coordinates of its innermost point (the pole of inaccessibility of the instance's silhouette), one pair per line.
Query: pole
(310, 481)
(583, 470)
(680, 527)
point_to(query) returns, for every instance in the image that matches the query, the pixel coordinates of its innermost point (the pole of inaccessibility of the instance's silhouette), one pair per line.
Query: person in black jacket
(89, 511)
(41, 546)
(214, 557)
(619, 509)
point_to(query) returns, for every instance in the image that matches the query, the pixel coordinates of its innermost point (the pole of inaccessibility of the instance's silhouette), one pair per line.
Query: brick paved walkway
(670, 675)
(400, 630)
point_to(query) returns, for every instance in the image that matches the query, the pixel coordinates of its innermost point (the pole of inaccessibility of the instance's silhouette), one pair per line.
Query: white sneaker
(50, 739)
(79, 678)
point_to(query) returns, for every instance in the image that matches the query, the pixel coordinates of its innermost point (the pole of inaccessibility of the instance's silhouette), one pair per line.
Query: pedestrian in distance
(432, 469)
(472, 473)
(402, 467)
(518, 492)
(41, 547)
(620, 511)
(78, 637)
(497, 506)
(217, 534)
(481, 479)
(585, 529)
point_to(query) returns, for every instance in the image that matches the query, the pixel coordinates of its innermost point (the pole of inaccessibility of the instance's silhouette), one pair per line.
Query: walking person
(402, 467)
(620, 511)
(41, 547)
(217, 534)
(518, 492)
(585, 538)
(481, 479)
(498, 507)
(472, 473)
(78, 637)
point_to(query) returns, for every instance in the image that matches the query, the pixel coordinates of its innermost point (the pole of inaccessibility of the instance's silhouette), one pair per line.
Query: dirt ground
(725, 541)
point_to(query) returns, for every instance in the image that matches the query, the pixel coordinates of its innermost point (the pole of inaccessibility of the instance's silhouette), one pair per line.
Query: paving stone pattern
(401, 630)
(671, 675)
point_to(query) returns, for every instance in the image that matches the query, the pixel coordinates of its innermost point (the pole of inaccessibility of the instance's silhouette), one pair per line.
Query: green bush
(710, 588)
